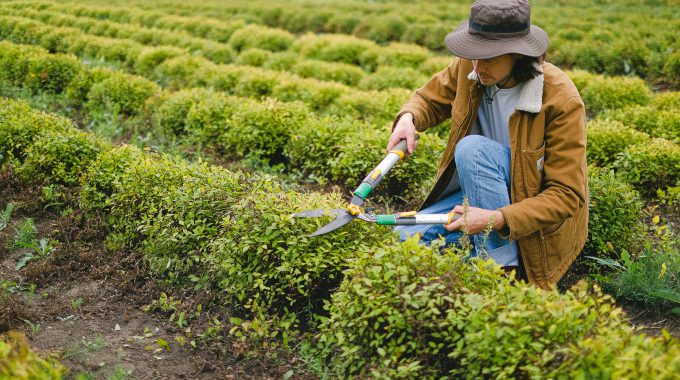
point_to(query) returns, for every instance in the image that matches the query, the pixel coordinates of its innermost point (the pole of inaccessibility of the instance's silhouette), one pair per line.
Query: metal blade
(318, 212)
(342, 219)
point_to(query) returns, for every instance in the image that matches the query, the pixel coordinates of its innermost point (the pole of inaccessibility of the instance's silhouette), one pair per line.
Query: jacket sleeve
(431, 104)
(564, 185)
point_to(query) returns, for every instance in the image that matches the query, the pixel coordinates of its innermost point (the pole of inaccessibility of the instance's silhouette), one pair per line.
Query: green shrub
(581, 78)
(342, 23)
(614, 221)
(377, 106)
(666, 101)
(151, 57)
(208, 119)
(216, 52)
(170, 114)
(345, 49)
(390, 77)
(263, 129)
(99, 180)
(434, 65)
(671, 67)
(382, 28)
(51, 73)
(365, 148)
(128, 92)
(18, 361)
(328, 71)
(60, 157)
(261, 37)
(429, 34)
(607, 138)
(403, 55)
(14, 61)
(203, 225)
(656, 123)
(181, 72)
(317, 143)
(253, 57)
(408, 311)
(650, 166)
(317, 95)
(617, 353)
(81, 84)
(256, 83)
(20, 126)
(602, 93)
(282, 61)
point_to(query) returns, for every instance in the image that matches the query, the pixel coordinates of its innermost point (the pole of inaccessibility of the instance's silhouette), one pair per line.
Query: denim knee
(466, 150)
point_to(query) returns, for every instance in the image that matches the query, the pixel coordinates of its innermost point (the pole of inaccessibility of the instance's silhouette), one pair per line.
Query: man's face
(493, 70)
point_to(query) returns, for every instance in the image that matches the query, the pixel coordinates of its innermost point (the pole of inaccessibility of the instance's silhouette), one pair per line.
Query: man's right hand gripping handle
(404, 129)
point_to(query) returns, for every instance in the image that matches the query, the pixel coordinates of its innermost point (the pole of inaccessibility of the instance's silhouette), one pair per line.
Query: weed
(24, 233)
(35, 327)
(76, 304)
(38, 250)
(6, 215)
(51, 197)
(31, 292)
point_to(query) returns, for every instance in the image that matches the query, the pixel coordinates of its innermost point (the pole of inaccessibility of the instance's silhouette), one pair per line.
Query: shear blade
(318, 212)
(342, 219)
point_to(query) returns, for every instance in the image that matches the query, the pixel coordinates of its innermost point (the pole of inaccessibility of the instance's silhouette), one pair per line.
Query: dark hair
(524, 68)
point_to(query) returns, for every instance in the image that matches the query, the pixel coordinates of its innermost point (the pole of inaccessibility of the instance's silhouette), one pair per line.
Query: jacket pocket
(533, 170)
(557, 242)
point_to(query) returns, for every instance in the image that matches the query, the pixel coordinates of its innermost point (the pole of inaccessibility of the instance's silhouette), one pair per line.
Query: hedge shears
(354, 209)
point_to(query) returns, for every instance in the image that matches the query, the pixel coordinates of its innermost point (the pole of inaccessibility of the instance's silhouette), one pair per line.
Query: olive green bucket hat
(497, 27)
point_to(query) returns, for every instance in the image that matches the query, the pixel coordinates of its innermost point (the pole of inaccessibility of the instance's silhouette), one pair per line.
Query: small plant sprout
(51, 197)
(38, 250)
(76, 304)
(6, 215)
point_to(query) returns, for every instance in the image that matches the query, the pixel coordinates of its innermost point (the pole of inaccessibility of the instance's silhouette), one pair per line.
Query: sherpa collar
(531, 95)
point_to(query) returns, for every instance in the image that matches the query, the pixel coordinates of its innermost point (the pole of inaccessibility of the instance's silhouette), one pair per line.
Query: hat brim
(473, 46)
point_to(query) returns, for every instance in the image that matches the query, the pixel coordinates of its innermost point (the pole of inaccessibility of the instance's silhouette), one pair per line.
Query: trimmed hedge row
(197, 224)
(407, 311)
(601, 93)
(179, 71)
(236, 127)
(333, 48)
(582, 35)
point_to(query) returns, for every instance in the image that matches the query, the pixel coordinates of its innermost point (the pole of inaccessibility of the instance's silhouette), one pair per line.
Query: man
(516, 148)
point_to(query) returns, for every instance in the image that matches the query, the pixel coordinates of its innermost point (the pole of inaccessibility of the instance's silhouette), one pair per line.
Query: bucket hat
(497, 27)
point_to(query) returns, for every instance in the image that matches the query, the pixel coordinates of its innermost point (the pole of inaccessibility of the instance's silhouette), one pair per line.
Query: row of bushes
(351, 50)
(196, 224)
(599, 93)
(402, 310)
(324, 148)
(176, 70)
(578, 39)
(321, 148)
(645, 162)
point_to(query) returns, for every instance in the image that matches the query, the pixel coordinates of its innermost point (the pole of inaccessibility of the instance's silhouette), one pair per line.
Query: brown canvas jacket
(548, 214)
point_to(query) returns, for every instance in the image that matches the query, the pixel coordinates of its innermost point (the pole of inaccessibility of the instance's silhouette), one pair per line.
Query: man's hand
(405, 129)
(477, 220)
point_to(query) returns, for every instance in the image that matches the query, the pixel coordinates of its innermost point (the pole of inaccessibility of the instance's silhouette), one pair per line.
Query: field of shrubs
(192, 131)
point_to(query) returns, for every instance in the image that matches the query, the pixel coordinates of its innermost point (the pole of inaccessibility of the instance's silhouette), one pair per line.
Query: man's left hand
(477, 220)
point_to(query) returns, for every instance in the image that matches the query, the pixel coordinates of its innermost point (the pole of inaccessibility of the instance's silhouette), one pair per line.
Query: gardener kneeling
(517, 146)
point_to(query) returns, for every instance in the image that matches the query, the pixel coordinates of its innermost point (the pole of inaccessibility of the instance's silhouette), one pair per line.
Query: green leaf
(24, 260)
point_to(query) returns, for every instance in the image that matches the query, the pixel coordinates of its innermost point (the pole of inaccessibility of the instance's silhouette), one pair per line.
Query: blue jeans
(483, 167)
